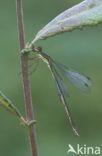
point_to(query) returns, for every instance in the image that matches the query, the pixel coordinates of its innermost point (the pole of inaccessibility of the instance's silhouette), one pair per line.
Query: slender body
(79, 80)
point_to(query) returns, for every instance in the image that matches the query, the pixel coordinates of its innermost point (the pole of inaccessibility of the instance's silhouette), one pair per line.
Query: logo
(84, 150)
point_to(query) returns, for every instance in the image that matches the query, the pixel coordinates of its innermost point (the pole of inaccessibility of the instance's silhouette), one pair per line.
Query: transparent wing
(79, 80)
(61, 82)
(62, 98)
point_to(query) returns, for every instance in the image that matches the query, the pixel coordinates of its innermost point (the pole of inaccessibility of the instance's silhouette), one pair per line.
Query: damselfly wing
(61, 88)
(79, 80)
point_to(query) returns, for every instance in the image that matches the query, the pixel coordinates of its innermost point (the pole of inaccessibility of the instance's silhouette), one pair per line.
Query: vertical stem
(25, 76)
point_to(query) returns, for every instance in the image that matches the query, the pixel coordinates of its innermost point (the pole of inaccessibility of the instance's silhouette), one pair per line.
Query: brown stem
(26, 83)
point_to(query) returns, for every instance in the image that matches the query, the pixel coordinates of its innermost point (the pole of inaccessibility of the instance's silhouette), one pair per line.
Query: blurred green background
(80, 50)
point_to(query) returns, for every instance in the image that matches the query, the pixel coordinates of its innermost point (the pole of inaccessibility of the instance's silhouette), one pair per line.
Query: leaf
(86, 13)
(7, 104)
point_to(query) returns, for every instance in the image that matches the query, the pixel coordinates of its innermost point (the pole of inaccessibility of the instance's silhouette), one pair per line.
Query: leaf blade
(8, 105)
(86, 13)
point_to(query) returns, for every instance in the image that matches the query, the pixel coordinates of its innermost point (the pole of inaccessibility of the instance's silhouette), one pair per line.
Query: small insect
(80, 81)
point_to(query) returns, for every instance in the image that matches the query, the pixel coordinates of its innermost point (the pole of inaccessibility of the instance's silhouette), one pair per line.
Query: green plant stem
(26, 83)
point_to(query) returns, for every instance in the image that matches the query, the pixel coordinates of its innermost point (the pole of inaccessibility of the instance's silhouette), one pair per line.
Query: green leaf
(86, 13)
(7, 104)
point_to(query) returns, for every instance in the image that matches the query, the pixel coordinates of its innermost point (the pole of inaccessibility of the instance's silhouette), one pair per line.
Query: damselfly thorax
(46, 58)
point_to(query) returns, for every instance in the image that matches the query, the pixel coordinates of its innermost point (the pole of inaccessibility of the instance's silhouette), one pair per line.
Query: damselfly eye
(39, 48)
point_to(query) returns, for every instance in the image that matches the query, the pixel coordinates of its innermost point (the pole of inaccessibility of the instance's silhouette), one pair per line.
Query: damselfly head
(39, 48)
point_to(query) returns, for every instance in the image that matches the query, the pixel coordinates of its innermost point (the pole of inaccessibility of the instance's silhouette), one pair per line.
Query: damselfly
(80, 81)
